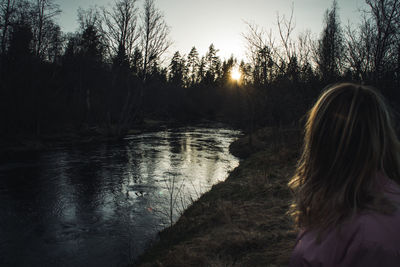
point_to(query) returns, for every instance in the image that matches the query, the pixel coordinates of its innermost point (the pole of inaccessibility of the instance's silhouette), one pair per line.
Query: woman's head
(348, 138)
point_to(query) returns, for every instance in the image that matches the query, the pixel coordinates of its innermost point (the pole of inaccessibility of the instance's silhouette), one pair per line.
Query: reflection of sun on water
(236, 74)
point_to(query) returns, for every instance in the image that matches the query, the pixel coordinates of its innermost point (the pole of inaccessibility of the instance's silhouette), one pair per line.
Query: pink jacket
(370, 239)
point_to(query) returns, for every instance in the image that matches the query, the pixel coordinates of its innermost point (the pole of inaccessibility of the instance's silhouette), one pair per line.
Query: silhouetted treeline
(112, 73)
(289, 73)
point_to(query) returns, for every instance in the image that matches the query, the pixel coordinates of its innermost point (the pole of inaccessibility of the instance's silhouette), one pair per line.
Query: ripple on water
(99, 205)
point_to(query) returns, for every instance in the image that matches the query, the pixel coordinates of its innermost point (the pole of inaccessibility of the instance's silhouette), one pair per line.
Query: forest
(111, 73)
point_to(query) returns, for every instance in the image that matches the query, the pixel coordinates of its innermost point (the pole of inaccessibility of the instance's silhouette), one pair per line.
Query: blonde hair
(348, 139)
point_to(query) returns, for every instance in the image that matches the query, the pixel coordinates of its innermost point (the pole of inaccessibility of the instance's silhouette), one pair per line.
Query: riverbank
(242, 221)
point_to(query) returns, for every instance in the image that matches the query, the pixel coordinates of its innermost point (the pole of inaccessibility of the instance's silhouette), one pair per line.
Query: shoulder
(369, 253)
(375, 228)
(381, 228)
(365, 239)
(368, 239)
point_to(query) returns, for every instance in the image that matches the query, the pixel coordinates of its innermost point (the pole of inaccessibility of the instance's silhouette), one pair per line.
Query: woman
(346, 183)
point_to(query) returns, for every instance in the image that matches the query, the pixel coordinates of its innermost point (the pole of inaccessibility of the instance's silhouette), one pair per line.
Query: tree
(304, 48)
(201, 73)
(262, 67)
(212, 64)
(89, 17)
(358, 51)
(330, 46)
(264, 56)
(372, 48)
(56, 42)
(43, 25)
(385, 30)
(192, 65)
(91, 45)
(245, 69)
(286, 28)
(154, 36)
(227, 67)
(83, 63)
(123, 99)
(177, 70)
(293, 70)
(18, 81)
(7, 10)
(122, 29)
(137, 62)
(92, 41)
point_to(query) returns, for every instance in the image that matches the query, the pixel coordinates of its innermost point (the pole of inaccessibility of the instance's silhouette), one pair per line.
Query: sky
(222, 22)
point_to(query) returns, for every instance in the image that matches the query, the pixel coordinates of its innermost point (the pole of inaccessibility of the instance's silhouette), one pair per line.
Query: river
(103, 204)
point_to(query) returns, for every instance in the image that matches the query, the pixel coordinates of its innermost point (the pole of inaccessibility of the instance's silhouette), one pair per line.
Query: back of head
(348, 139)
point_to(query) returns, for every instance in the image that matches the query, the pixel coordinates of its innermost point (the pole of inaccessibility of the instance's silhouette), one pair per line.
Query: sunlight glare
(236, 74)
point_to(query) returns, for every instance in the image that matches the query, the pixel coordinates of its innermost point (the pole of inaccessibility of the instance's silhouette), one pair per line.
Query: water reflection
(101, 204)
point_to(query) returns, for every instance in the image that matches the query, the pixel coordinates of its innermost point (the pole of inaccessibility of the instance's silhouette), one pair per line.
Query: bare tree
(358, 50)
(286, 27)
(154, 35)
(372, 48)
(121, 27)
(384, 27)
(43, 13)
(304, 48)
(122, 33)
(267, 56)
(256, 39)
(89, 17)
(7, 9)
(262, 53)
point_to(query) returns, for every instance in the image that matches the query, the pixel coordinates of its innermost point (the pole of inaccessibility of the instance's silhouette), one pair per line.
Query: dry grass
(240, 222)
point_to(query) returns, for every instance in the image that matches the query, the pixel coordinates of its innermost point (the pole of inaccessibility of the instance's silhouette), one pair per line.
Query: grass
(242, 221)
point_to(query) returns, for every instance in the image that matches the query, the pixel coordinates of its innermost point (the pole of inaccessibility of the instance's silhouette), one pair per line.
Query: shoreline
(243, 220)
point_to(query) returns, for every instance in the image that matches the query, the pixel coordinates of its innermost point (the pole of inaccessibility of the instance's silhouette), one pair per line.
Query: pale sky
(221, 22)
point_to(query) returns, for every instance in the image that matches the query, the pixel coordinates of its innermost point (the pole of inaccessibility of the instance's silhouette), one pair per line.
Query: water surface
(101, 204)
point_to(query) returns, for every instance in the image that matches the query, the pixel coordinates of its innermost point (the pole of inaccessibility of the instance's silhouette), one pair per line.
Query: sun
(236, 74)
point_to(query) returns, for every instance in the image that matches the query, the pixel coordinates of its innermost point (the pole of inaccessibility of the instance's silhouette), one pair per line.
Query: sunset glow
(236, 74)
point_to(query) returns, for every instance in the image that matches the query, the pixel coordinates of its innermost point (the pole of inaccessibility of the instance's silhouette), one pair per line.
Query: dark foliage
(109, 75)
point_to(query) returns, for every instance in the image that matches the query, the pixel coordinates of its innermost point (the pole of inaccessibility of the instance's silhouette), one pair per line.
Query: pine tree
(177, 70)
(192, 66)
(212, 64)
(330, 46)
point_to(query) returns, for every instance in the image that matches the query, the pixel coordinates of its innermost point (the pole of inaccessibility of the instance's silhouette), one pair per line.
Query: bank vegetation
(242, 221)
